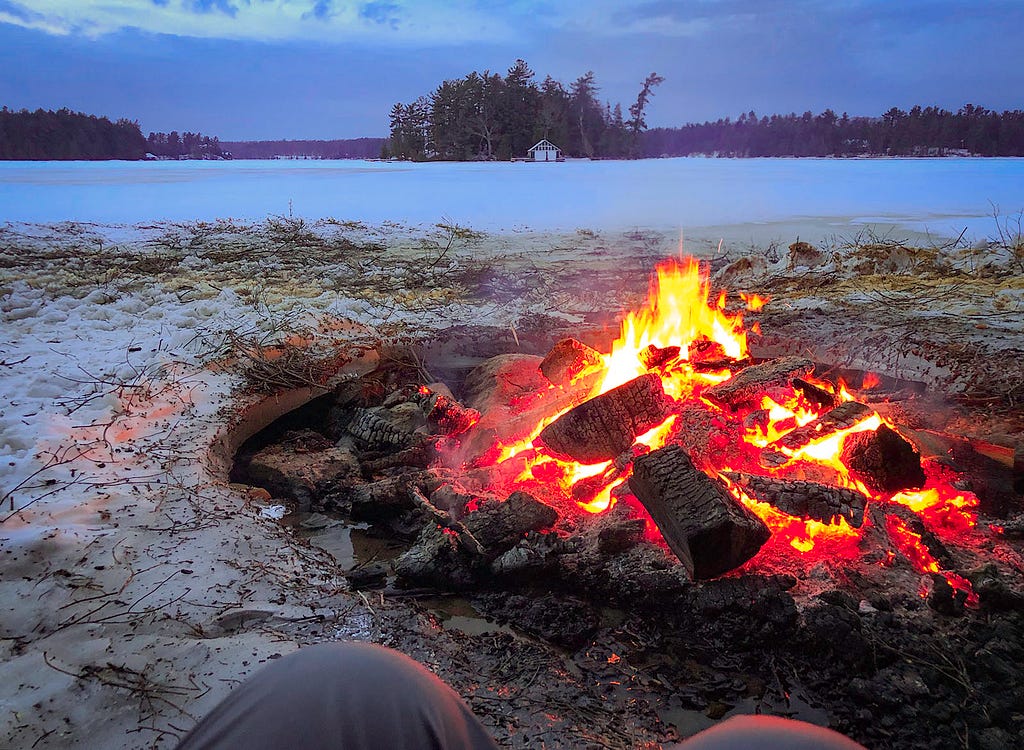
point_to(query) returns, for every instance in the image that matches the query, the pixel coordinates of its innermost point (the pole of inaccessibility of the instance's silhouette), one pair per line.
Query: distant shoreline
(857, 157)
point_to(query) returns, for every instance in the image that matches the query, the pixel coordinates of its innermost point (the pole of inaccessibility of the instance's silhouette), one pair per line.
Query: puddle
(351, 544)
(689, 722)
(456, 613)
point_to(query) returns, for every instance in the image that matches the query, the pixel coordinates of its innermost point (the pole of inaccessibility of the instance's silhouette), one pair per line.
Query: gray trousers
(357, 696)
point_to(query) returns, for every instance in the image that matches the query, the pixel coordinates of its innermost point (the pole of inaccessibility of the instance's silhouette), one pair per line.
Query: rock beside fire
(708, 529)
(305, 466)
(567, 360)
(605, 426)
(810, 500)
(752, 382)
(883, 460)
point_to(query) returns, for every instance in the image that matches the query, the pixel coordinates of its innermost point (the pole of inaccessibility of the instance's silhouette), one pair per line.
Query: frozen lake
(941, 196)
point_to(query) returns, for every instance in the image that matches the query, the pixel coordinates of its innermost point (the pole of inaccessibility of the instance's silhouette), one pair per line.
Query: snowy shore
(139, 585)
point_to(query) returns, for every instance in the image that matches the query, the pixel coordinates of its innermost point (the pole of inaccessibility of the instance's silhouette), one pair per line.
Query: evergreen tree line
(184, 146)
(930, 131)
(487, 116)
(349, 148)
(64, 135)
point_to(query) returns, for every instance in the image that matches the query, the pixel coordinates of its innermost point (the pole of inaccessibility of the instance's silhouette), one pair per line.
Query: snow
(939, 195)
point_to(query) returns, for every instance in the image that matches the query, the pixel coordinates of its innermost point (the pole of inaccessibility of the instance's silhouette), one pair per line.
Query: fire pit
(629, 474)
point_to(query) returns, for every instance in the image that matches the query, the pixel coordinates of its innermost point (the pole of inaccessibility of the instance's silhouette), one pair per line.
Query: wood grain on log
(812, 500)
(709, 530)
(750, 383)
(883, 460)
(603, 427)
(376, 432)
(843, 417)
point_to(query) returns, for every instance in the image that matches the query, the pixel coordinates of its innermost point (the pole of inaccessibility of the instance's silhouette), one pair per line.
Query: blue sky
(255, 69)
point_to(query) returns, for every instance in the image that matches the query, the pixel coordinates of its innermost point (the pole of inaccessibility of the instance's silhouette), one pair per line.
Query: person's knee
(768, 733)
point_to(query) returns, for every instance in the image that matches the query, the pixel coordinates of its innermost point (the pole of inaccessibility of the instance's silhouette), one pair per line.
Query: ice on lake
(942, 196)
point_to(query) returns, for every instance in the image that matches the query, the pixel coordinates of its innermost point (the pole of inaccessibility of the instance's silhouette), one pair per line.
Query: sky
(272, 69)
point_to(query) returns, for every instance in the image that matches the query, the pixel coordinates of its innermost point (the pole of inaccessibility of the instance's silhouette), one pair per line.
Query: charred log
(883, 460)
(375, 432)
(420, 454)
(567, 360)
(843, 417)
(820, 502)
(455, 553)
(388, 496)
(750, 383)
(709, 530)
(499, 525)
(603, 427)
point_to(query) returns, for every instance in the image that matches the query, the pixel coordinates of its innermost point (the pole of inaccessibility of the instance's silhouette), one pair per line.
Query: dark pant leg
(341, 696)
(767, 733)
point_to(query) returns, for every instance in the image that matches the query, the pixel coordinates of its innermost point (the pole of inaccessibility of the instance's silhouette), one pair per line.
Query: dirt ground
(140, 585)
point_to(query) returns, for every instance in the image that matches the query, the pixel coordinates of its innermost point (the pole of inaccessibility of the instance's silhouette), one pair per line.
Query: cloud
(436, 21)
(340, 21)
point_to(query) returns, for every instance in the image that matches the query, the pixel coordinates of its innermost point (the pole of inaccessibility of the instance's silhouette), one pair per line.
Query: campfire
(674, 445)
(727, 461)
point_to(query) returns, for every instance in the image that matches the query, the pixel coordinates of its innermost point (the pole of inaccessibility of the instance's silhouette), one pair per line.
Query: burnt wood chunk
(451, 417)
(843, 417)
(606, 425)
(811, 500)
(567, 360)
(883, 460)
(752, 382)
(709, 530)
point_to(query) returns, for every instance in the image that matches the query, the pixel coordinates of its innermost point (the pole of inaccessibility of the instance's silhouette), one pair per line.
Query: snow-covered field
(811, 197)
(137, 583)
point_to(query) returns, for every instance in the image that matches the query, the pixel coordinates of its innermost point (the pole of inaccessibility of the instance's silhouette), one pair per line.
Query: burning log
(704, 350)
(816, 394)
(567, 360)
(883, 460)
(753, 381)
(843, 417)
(896, 520)
(603, 427)
(709, 530)
(654, 357)
(820, 502)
